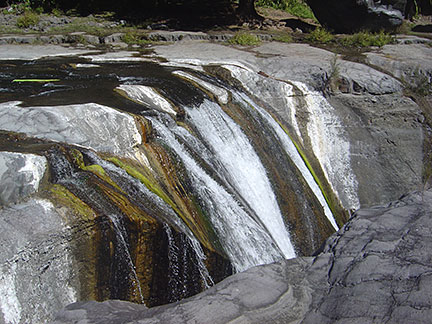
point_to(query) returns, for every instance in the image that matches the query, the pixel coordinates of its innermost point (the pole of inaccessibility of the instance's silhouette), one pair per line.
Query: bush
(244, 39)
(135, 38)
(283, 38)
(295, 7)
(28, 19)
(320, 35)
(366, 39)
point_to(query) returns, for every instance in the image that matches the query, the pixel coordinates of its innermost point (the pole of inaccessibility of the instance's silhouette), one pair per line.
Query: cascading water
(211, 184)
(243, 239)
(292, 152)
(243, 167)
(199, 259)
(122, 251)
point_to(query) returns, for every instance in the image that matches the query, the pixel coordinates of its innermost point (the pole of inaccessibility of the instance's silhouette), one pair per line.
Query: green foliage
(19, 7)
(320, 36)
(366, 39)
(57, 12)
(295, 7)
(283, 38)
(135, 37)
(243, 38)
(28, 19)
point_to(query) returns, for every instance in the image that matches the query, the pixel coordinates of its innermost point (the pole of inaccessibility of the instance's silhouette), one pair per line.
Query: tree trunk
(246, 10)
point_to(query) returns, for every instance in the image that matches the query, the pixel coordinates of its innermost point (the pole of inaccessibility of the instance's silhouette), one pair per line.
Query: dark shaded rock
(299, 24)
(423, 29)
(376, 269)
(355, 15)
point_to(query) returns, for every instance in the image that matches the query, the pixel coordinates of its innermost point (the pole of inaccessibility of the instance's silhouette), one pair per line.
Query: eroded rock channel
(150, 180)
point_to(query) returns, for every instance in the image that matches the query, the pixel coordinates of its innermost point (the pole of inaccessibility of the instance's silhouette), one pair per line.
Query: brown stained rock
(376, 269)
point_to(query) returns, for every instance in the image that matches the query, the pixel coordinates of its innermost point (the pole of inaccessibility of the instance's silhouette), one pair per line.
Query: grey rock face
(356, 15)
(89, 125)
(409, 62)
(20, 175)
(384, 133)
(376, 269)
(378, 265)
(37, 273)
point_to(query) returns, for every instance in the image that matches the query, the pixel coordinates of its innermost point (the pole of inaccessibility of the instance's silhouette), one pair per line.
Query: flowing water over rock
(167, 179)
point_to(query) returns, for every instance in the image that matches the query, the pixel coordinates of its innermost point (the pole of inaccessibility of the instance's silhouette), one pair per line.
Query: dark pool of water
(88, 84)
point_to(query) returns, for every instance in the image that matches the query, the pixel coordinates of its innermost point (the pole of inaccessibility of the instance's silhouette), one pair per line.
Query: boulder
(354, 15)
(374, 270)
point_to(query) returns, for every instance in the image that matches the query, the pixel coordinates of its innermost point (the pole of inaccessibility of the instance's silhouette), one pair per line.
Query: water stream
(122, 251)
(216, 181)
(243, 239)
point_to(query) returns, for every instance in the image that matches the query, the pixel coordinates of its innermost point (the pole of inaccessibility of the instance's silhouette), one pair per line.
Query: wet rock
(20, 175)
(356, 15)
(368, 112)
(374, 270)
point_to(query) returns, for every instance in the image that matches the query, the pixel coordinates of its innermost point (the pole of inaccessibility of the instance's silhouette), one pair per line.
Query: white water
(174, 258)
(246, 243)
(120, 234)
(246, 172)
(325, 131)
(200, 257)
(294, 155)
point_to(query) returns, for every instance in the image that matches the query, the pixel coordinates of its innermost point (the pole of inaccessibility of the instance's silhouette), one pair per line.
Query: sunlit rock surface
(20, 175)
(374, 270)
(37, 270)
(90, 125)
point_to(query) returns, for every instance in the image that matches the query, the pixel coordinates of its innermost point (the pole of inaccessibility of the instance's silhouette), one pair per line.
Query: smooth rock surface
(33, 52)
(409, 62)
(376, 269)
(89, 125)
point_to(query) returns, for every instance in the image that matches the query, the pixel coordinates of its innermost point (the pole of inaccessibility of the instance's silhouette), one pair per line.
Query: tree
(246, 10)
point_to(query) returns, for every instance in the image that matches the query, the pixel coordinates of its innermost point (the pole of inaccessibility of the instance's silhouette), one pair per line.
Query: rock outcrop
(90, 125)
(366, 143)
(376, 269)
(355, 15)
(378, 129)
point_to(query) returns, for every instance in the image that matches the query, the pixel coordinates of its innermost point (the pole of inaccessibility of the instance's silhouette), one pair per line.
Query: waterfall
(141, 192)
(123, 250)
(200, 258)
(243, 166)
(176, 280)
(244, 240)
(292, 152)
